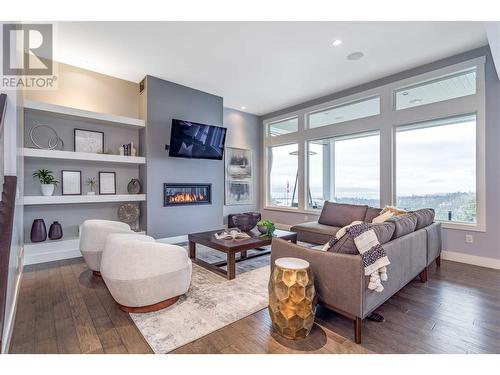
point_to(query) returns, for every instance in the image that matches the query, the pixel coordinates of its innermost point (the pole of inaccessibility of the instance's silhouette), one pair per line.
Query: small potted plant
(266, 227)
(47, 181)
(91, 181)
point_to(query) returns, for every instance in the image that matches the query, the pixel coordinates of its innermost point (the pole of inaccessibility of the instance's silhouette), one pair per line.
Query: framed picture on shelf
(88, 141)
(238, 176)
(71, 182)
(107, 183)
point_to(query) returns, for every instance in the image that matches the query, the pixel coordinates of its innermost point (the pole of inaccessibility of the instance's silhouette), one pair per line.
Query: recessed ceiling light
(339, 118)
(337, 42)
(355, 56)
(243, 107)
(405, 93)
(416, 101)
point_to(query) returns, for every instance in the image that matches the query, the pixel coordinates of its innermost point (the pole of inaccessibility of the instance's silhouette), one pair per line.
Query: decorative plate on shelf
(129, 213)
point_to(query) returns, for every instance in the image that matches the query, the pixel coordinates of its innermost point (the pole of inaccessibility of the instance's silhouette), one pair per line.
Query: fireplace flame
(185, 197)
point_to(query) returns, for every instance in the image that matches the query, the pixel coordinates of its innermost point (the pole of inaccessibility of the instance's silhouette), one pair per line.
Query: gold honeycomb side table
(292, 298)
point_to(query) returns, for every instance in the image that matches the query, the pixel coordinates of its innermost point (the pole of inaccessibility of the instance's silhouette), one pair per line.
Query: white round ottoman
(93, 235)
(143, 275)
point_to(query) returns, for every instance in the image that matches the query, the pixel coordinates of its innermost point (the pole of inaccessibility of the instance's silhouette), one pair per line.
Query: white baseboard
(471, 259)
(10, 319)
(173, 240)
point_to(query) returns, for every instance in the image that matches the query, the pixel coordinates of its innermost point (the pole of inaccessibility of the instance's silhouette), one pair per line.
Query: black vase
(38, 231)
(55, 231)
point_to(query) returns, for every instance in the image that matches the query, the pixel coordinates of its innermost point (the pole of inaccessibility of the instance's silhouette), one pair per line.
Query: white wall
(13, 165)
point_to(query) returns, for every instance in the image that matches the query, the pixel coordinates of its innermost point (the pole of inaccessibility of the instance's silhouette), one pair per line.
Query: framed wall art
(88, 141)
(238, 168)
(107, 183)
(71, 182)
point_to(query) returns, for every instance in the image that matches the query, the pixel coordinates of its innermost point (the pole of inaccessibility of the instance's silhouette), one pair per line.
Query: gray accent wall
(485, 243)
(243, 131)
(165, 101)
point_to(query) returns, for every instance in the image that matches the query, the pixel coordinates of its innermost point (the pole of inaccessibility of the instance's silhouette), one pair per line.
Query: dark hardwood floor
(63, 309)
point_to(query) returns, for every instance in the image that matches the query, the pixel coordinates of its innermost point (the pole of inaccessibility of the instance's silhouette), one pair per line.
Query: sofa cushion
(384, 231)
(404, 224)
(315, 227)
(346, 245)
(340, 214)
(371, 213)
(314, 232)
(425, 217)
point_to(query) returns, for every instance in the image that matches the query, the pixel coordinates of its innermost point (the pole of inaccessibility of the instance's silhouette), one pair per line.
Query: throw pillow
(382, 217)
(396, 211)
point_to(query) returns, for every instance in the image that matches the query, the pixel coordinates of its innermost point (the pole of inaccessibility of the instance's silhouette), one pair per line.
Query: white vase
(47, 189)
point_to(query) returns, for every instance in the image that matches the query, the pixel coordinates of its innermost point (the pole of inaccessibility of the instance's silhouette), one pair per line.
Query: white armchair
(93, 235)
(143, 275)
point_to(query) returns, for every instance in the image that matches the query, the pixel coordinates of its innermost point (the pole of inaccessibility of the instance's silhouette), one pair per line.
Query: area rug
(211, 303)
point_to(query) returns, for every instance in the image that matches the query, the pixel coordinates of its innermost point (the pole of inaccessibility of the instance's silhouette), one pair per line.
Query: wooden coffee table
(231, 247)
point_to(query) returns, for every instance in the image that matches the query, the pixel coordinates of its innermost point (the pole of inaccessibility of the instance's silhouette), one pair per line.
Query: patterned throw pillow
(395, 210)
(382, 217)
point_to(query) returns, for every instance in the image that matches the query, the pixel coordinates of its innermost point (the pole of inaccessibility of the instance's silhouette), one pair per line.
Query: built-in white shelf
(30, 200)
(103, 118)
(49, 251)
(70, 155)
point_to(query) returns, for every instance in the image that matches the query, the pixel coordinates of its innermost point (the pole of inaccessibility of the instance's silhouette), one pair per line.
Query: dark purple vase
(55, 231)
(38, 231)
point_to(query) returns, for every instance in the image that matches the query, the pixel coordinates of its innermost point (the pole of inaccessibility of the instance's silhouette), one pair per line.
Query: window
(344, 169)
(363, 150)
(436, 167)
(449, 87)
(283, 177)
(281, 127)
(347, 112)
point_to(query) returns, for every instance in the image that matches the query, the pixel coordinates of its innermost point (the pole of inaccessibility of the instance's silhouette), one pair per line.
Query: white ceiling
(264, 66)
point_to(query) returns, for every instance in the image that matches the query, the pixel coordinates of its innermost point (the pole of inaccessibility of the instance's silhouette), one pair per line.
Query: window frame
(285, 118)
(370, 133)
(339, 104)
(267, 180)
(424, 82)
(385, 123)
(444, 223)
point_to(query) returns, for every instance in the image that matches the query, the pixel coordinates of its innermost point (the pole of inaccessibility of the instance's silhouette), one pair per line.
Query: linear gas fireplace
(186, 194)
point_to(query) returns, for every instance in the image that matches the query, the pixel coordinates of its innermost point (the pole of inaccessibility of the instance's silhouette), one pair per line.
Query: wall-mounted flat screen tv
(198, 141)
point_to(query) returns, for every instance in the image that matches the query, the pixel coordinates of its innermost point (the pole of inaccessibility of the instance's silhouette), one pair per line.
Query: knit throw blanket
(374, 257)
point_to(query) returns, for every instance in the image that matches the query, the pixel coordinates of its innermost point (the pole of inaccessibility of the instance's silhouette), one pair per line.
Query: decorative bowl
(245, 222)
(262, 229)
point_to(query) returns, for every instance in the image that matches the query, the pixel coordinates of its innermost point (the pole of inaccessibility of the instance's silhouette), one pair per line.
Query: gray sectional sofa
(412, 242)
